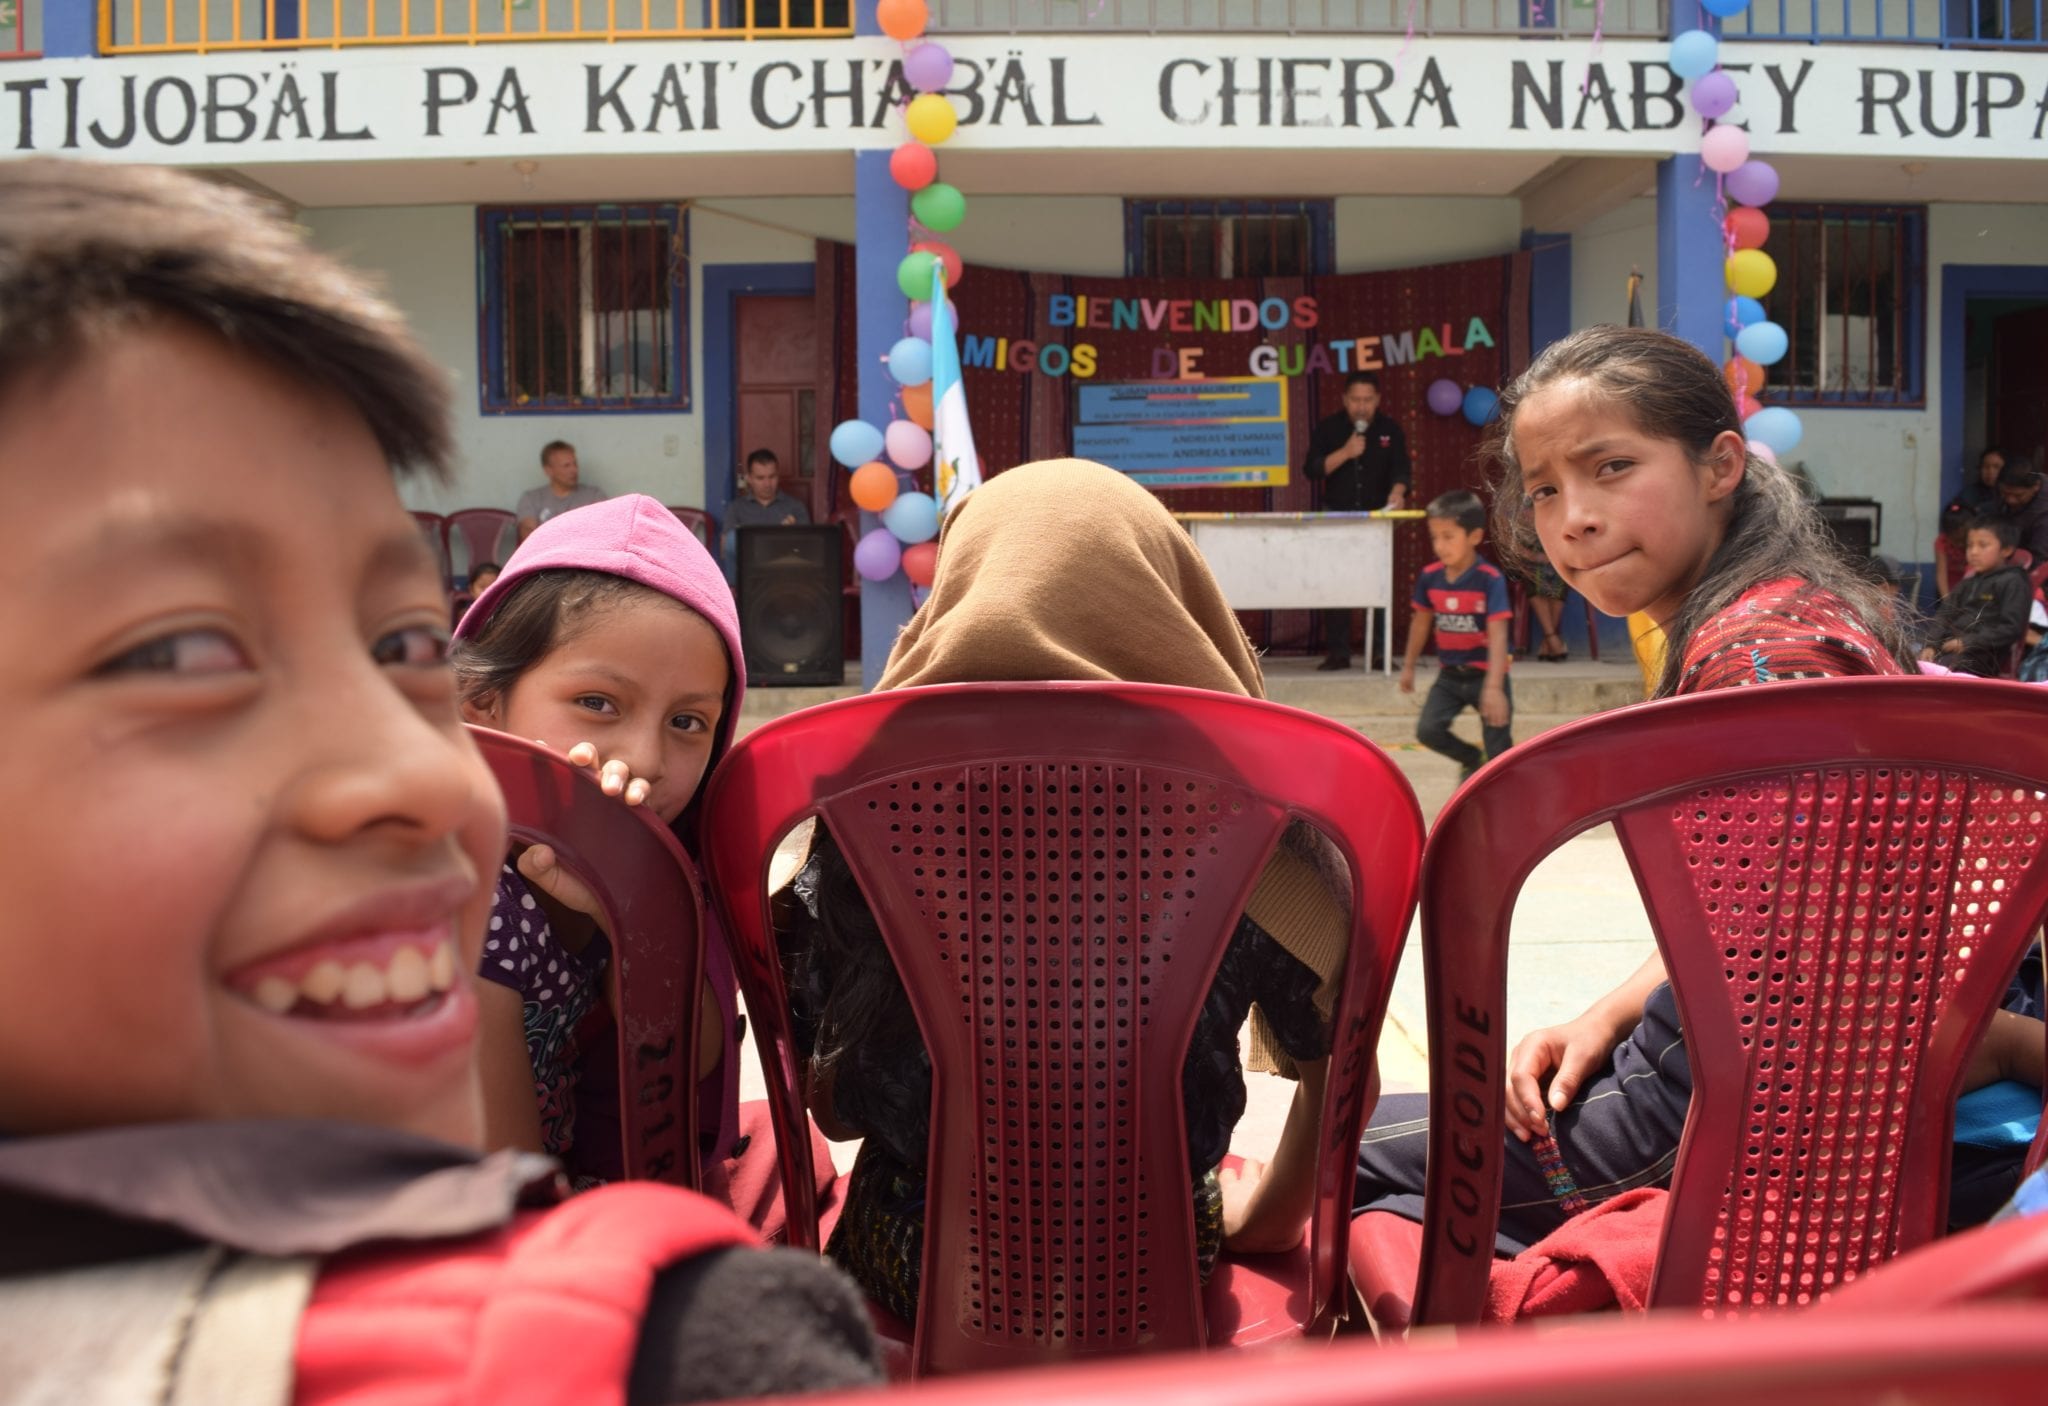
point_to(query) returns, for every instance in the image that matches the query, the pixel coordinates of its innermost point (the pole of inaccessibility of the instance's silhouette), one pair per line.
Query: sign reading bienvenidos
(1012, 93)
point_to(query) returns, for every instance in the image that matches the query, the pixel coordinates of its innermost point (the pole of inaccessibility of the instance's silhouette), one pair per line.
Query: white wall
(1603, 252)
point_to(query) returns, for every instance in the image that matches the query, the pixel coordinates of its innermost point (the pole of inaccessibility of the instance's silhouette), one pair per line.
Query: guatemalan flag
(956, 468)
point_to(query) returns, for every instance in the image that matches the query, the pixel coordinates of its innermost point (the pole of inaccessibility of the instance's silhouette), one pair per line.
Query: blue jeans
(1456, 689)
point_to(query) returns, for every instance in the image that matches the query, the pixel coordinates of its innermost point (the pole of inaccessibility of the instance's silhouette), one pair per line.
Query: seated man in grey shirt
(764, 504)
(564, 489)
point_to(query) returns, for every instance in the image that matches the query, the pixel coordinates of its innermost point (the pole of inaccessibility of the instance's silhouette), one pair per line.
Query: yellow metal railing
(214, 26)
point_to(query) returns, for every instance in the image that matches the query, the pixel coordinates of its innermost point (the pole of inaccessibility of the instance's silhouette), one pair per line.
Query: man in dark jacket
(1978, 623)
(1361, 457)
(2019, 485)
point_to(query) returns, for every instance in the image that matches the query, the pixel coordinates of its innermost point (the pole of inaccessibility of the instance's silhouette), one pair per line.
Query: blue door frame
(723, 284)
(1959, 284)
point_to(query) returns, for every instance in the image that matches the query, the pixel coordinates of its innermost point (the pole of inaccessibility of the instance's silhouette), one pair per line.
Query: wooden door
(2019, 384)
(776, 377)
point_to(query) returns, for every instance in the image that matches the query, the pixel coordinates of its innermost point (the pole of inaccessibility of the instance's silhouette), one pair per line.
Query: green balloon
(939, 207)
(914, 275)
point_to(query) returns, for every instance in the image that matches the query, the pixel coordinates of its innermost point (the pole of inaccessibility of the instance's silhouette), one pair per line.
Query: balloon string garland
(886, 463)
(1743, 185)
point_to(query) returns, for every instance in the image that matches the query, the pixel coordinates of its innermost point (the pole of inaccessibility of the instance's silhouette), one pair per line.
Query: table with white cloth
(1306, 561)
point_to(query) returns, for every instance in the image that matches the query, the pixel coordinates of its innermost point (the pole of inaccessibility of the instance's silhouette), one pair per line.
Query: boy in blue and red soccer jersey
(1465, 601)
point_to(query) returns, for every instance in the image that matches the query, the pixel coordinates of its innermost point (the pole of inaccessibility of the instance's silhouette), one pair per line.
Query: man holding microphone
(1363, 457)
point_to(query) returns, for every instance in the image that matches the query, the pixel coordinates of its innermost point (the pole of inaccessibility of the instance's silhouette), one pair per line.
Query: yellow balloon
(1751, 273)
(931, 118)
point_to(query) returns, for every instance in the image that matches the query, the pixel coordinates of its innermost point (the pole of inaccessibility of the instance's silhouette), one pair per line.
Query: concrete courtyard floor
(1579, 925)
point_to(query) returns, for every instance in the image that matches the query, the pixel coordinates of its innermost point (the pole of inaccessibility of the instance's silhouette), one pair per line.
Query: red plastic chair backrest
(1056, 869)
(654, 917)
(435, 528)
(487, 534)
(1987, 1353)
(701, 523)
(2004, 1260)
(1842, 878)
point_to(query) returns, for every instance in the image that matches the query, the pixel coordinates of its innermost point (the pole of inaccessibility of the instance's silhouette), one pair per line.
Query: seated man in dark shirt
(1361, 457)
(764, 504)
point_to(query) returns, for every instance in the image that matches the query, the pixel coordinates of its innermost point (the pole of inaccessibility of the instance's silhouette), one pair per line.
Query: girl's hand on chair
(615, 776)
(1242, 1232)
(538, 865)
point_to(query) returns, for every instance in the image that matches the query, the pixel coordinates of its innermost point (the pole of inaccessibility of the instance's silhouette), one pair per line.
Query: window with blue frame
(1852, 297)
(1227, 238)
(584, 308)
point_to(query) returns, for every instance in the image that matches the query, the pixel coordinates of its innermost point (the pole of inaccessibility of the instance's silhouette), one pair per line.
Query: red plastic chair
(486, 534)
(1842, 878)
(701, 523)
(435, 528)
(1056, 868)
(2007, 1260)
(655, 920)
(1994, 1353)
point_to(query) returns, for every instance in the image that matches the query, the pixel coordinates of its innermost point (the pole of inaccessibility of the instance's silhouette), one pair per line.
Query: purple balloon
(878, 555)
(921, 321)
(928, 67)
(1752, 183)
(1714, 94)
(1445, 396)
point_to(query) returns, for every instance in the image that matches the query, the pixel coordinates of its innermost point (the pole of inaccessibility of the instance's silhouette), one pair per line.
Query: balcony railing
(21, 29)
(2002, 24)
(1563, 18)
(203, 26)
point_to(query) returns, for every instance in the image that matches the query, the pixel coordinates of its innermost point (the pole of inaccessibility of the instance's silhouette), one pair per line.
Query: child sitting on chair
(1019, 596)
(248, 864)
(1985, 614)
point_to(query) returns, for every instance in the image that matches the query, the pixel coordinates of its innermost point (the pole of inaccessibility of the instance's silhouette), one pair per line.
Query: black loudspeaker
(790, 609)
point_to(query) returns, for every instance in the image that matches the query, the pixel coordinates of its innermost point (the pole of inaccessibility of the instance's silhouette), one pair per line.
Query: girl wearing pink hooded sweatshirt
(611, 637)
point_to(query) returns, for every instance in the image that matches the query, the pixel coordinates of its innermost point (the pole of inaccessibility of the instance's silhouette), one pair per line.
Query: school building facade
(665, 230)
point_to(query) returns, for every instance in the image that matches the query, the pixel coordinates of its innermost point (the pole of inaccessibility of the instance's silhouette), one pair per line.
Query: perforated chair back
(434, 528)
(1056, 869)
(654, 917)
(482, 534)
(1842, 877)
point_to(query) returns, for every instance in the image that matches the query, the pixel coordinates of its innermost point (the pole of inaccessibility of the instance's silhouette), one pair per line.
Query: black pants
(1455, 690)
(1337, 635)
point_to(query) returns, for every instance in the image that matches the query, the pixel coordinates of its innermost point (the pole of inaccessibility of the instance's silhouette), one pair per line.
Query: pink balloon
(908, 443)
(1763, 451)
(1724, 148)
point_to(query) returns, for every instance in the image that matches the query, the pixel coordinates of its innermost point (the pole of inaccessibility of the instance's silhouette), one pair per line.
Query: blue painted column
(881, 237)
(1690, 251)
(1550, 287)
(70, 29)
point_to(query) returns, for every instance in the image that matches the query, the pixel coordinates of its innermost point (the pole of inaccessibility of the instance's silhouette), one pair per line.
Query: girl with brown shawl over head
(1068, 571)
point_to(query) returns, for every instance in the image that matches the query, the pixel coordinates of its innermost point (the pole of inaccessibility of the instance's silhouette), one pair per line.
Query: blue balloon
(910, 361)
(1724, 9)
(1694, 54)
(1738, 313)
(913, 517)
(1765, 343)
(1775, 426)
(856, 442)
(1480, 403)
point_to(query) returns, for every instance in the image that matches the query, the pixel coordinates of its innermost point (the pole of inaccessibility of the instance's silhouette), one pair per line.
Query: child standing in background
(1463, 601)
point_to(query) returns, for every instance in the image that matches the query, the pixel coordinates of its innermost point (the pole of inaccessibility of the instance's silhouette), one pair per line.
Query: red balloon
(1748, 227)
(913, 166)
(921, 562)
(1747, 406)
(946, 256)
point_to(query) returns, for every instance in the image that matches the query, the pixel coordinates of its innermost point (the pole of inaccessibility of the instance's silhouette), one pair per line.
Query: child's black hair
(1461, 506)
(2003, 528)
(2018, 473)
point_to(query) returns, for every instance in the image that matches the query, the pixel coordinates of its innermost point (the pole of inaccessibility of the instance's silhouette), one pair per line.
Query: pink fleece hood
(635, 537)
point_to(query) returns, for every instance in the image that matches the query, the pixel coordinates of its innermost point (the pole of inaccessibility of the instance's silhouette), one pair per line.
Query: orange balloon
(873, 486)
(1744, 376)
(902, 20)
(917, 404)
(921, 562)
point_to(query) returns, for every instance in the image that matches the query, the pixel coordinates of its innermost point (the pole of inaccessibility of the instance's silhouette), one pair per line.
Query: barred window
(584, 308)
(1226, 238)
(1851, 295)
